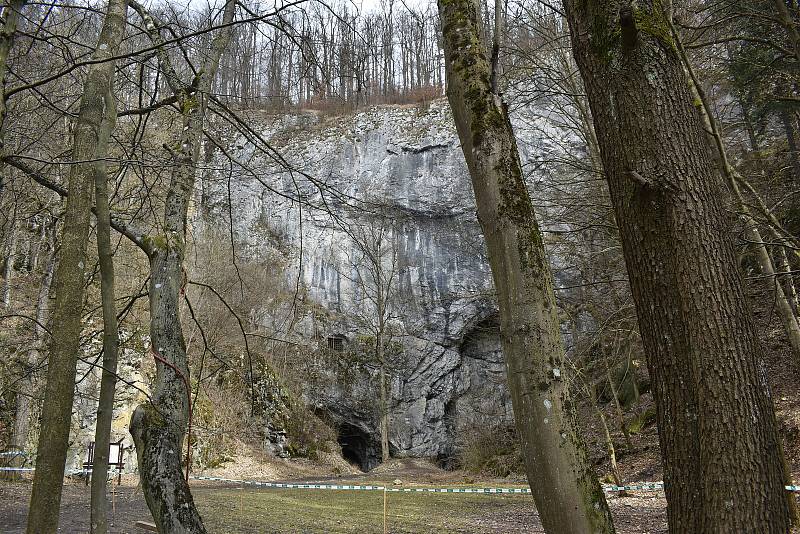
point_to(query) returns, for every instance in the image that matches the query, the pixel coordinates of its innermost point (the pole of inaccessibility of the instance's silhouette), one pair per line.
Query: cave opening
(358, 447)
(448, 457)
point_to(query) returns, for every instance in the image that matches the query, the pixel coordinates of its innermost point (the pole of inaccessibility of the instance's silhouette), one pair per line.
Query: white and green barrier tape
(13, 453)
(74, 472)
(645, 486)
(610, 488)
(363, 487)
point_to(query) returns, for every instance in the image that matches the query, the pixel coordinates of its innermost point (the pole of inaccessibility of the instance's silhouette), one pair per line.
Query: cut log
(146, 526)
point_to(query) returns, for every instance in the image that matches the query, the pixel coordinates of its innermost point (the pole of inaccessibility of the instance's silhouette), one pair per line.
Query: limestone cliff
(300, 189)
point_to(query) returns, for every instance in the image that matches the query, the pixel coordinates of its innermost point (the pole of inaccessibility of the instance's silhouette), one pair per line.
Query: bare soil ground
(229, 508)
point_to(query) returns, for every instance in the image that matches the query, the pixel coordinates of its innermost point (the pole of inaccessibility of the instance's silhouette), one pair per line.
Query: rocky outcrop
(401, 169)
(131, 389)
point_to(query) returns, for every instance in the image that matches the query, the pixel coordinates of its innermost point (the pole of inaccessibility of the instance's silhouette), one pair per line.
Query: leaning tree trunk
(591, 393)
(566, 490)
(10, 20)
(618, 412)
(158, 428)
(108, 380)
(69, 282)
(716, 422)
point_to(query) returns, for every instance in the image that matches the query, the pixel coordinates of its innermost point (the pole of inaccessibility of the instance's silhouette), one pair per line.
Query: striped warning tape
(286, 485)
(657, 486)
(69, 473)
(363, 487)
(647, 486)
(13, 453)
(610, 488)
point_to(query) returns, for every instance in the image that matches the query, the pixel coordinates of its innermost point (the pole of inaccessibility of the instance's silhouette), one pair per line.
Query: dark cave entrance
(358, 447)
(448, 454)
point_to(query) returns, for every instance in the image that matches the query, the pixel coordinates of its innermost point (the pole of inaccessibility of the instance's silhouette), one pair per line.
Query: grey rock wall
(402, 163)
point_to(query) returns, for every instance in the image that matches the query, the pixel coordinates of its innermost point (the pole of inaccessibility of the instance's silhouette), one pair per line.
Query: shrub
(491, 450)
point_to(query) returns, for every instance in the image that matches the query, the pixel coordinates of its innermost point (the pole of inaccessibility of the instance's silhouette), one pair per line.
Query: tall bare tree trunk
(620, 414)
(69, 282)
(791, 141)
(784, 299)
(108, 381)
(565, 488)
(11, 13)
(158, 428)
(717, 428)
(591, 390)
(8, 268)
(790, 25)
(384, 400)
(26, 386)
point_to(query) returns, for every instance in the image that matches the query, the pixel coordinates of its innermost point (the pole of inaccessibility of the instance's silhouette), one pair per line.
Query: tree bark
(791, 142)
(69, 282)
(717, 426)
(108, 381)
(783, 298)
(785, 19)
(385, 453)
(565, 488)
(752, 233)
(158, 428)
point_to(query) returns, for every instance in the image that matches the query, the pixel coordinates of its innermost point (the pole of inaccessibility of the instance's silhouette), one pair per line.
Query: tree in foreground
(158, 428)
(717, 428)
(108, 381)
(566, 491)
(70, 280)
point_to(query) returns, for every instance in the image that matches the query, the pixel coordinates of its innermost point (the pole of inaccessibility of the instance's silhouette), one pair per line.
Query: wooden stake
(385, 499)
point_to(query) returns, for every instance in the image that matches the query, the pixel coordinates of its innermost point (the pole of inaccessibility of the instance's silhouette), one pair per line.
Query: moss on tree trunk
(565, 488)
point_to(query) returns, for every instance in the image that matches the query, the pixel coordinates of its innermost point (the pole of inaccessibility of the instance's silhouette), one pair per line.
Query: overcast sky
(363, 5)
(375, 4)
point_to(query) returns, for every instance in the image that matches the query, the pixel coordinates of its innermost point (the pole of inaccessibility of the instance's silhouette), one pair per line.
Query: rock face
(396, 172)
(130, 391)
